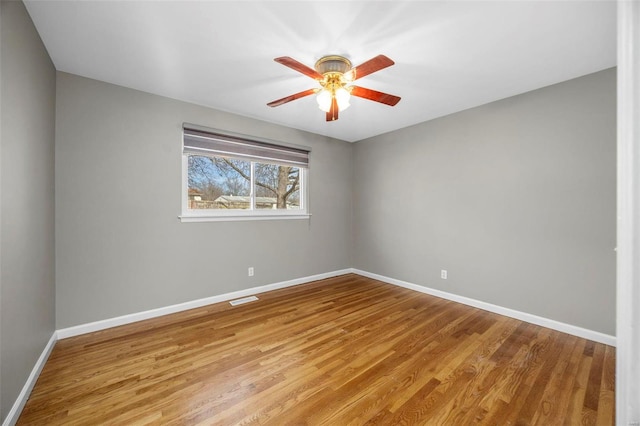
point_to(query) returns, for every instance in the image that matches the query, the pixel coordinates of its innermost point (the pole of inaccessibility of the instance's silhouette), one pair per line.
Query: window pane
(277, 187)
(219, 183)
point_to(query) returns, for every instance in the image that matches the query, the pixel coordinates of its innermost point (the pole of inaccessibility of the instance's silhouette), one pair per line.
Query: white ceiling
(450, 55)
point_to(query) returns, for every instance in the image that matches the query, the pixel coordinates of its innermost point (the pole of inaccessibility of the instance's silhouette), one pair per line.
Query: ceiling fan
(335, 76)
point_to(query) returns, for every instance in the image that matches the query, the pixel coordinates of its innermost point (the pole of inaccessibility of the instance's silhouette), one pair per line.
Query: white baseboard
(522, 316)
(153, 313)
(18, 405)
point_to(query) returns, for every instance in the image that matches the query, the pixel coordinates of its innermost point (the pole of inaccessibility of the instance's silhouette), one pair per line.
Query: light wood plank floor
(343, 351)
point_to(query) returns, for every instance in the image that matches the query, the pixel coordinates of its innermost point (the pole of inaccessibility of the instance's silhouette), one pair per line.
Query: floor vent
(243, 300)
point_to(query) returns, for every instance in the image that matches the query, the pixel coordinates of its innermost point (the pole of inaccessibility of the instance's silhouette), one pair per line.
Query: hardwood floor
(343, 351)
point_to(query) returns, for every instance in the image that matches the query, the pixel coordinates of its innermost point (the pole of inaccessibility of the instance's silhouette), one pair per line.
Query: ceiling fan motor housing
(333, 64)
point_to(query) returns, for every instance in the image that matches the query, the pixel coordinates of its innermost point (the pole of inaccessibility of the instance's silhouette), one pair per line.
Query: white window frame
(215, 215)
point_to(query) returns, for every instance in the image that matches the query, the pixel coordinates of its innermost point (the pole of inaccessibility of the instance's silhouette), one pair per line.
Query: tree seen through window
(225, 183)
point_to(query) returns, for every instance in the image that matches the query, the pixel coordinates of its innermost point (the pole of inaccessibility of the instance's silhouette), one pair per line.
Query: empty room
(319, 213)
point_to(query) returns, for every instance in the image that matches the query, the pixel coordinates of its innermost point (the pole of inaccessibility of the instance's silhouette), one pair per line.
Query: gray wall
(516, 199)
(26, 201)
(120, 248)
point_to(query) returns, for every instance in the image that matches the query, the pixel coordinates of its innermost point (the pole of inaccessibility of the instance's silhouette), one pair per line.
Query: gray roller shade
(199, 142)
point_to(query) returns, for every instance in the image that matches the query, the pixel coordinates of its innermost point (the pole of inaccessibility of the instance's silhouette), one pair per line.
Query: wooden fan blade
(332, 115)
(369, 67)
(292, 97)
(298, 66)
(374, 95)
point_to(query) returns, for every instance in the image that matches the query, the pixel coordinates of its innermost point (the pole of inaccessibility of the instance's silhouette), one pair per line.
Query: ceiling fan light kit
(335, 76)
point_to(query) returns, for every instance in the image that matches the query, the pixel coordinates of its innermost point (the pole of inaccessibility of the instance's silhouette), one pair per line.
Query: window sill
(233, 218)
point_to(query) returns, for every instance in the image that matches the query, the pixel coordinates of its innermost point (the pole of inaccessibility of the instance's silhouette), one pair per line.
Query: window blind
(200, 142)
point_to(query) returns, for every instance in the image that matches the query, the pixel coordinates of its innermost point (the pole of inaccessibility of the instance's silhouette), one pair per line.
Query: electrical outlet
(443, 274)
(250, 271)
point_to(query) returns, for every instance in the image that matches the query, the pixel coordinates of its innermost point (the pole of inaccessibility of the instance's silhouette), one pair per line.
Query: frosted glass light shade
(342, 97)
(324, 100)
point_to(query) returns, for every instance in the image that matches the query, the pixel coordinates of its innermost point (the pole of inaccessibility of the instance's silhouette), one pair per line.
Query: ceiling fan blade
(298, 66)
(292, 97)
(374, 95)
(369, 67)
(332, 115)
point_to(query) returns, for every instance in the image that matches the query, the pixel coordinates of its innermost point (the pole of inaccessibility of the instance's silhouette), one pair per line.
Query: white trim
(231, 217)
(522, 316)
(153, 313)
(213, 215)
(628, 208)
(18, 405)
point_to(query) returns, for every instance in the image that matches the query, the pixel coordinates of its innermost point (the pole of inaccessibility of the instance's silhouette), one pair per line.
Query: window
(233, 177)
